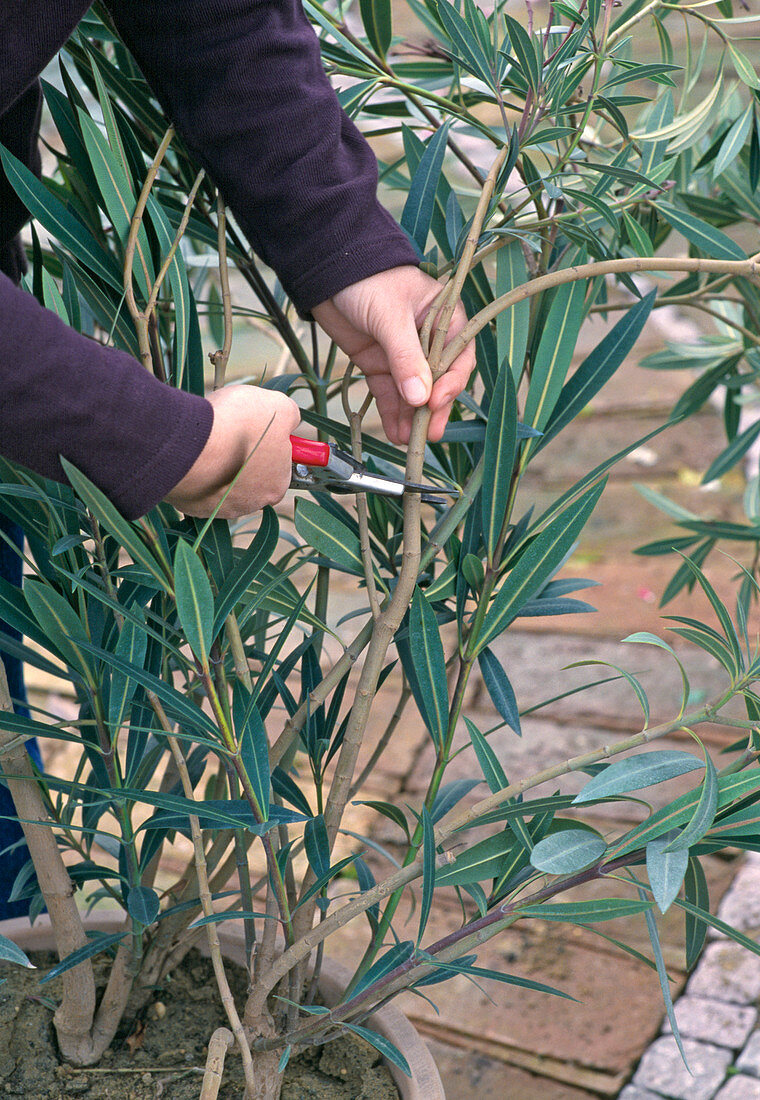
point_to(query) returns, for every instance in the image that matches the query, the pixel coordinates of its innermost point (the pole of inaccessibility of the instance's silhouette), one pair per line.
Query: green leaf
(132, 645)
(568, 851)
(721, 611)
(62, 625)
(744, 67)
(735, 451)
(555, 352)
(428, 667)
(248, 566)
(9, 952)
(645, 638)
(195, 601)
(524, 51)
(428, 871)
(637, 235)
(118, 198)
(498, 458)
(470, 55)
(252, 739)
(698, 895)
(493, 772)
(52, 296)
(704, 815)
(385, 1046)
(499, 689)
(329, 536)
(666, 869)
(587, 912)
(512, 325)
(662, 974)
(706, 238)
(418, 208)
(317, 846)
(597, 368)
(59, 222)
(125, 533)
(733, 143)
(142, 904)
(482, 861)
(378, 25)
(100, 942)
(641, 695)
(536, 565)
(644, 770)
(676, 813)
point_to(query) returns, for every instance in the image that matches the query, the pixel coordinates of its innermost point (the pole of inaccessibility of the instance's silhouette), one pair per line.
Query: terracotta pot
(425, 1082)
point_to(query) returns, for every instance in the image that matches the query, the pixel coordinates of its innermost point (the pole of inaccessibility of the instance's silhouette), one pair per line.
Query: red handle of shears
(310, 452)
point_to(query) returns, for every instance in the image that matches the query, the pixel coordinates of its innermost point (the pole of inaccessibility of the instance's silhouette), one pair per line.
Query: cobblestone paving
(717, 1016)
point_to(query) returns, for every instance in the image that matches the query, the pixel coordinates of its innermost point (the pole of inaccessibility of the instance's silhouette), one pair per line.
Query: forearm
(63, 394)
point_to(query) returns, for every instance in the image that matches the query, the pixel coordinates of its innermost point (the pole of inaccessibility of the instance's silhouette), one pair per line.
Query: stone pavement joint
(633, 1092)
(749, 1059)
(662, 1069)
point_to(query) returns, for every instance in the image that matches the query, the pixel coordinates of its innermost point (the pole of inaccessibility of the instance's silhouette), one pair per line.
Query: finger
(454, 381)
(388, 402)
(397, 335)
(438, 422)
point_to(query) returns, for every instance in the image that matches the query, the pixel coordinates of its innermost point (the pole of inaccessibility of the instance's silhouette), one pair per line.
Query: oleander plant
(541, 168)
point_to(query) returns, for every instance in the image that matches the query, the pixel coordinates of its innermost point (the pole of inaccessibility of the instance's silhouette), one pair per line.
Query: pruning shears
(323, 466)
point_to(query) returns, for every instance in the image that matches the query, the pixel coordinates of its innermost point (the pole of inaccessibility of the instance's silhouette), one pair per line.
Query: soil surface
(163, 1052)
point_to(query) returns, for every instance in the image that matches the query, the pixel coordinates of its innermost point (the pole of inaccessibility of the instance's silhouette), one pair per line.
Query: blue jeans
(11, 833)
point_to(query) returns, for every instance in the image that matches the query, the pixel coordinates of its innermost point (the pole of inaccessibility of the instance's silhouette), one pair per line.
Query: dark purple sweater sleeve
(63, 394)
(243, 82)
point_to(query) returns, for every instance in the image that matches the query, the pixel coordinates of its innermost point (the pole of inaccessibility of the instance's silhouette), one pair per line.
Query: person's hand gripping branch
(376, 322)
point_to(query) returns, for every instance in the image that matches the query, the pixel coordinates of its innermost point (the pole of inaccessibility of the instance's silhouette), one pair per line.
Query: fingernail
(414, 391)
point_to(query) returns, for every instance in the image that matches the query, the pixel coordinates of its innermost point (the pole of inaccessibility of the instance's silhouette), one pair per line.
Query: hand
(251, 431)
(376, 323)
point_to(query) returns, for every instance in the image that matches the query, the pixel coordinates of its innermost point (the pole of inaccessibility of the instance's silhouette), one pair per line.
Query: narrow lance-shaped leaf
(555, 351)
(195, 601)
(428, 667)
(428, 871)
(132, 645)
(498, 458)
(418, 208)
(567, 851)
(62, 625)
(662, 974)
(59, 222)
(121, 529)
(499, 688)
(317, 846)
(329, 536)
(696, 892)
(643, 770)
(713, 242)
(597, 368)
(254, 747)
(666, 869)
(512, 324)
(704, 814)
(378, 24)
(537, 563)
(248, 566)
(9, 952)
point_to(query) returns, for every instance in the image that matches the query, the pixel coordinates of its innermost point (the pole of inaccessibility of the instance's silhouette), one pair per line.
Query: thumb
(398, 337)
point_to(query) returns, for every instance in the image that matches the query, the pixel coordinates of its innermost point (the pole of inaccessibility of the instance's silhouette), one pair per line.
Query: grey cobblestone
(713, 1021)
(633, 1092)
(749, 1059)
(741, 906)
(740, 1088)
(662, 1069)
(727, 972)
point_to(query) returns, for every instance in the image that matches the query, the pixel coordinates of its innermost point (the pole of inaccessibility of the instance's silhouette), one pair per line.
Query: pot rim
(425, 1082)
